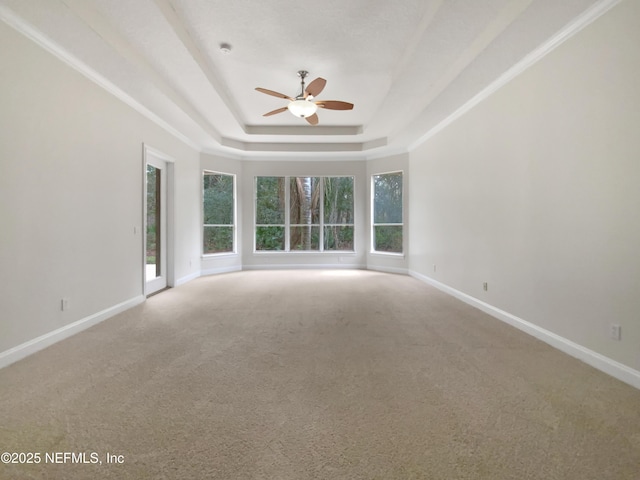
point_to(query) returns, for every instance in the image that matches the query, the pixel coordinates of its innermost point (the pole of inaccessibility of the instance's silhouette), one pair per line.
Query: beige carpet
(294, 375)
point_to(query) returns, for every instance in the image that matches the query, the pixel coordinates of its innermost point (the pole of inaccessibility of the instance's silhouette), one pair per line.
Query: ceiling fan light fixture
(302, 108)
(303, 104)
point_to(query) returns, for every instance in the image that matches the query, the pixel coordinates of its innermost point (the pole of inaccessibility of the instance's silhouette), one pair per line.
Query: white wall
(253, 260)
(71, 196)
(226, 262)
(536, 192)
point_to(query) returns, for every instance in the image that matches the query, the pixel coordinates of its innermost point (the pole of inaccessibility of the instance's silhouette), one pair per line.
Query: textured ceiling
(406, 66)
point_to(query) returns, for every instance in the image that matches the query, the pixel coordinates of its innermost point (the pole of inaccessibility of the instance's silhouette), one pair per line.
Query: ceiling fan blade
(275, 94)
(273, 112)
(334, 105)
(315, 87)
(313, 119)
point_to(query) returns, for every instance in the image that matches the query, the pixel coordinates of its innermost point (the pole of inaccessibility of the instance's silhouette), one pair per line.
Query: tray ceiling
(407, 66)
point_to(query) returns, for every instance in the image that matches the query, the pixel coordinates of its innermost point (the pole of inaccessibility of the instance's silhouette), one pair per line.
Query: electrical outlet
(485, 286)
(434, 267)
(615, 332)
(64, 304)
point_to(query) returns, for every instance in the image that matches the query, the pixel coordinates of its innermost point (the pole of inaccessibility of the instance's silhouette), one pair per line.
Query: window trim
(234, 225)
(287, 218)
(372, 249)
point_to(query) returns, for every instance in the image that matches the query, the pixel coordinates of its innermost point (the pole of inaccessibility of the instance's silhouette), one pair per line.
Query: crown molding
(573, 27)
(303, 147)
(302, 130)
(292, 147)
(24, 28)
(388, 152)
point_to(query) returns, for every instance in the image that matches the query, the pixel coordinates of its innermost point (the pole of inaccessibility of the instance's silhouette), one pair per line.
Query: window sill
(218, 255)
(386, 254)
(304, 252)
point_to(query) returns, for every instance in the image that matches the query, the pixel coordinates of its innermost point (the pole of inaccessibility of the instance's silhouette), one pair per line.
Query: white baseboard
(604, 364)
(305, 266)
(187, 278)
(377, 268)
(32, 346)
(216, 271)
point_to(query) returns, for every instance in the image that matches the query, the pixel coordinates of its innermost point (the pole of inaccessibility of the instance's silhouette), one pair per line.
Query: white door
(155, 225)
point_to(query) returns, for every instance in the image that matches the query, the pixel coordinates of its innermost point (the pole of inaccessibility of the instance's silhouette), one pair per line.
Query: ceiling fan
(304, 105)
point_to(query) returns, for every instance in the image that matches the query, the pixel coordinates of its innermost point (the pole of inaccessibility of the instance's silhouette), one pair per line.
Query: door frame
(147, 153)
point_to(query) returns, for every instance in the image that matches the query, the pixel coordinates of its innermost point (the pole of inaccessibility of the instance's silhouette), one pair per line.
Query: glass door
(155, 226)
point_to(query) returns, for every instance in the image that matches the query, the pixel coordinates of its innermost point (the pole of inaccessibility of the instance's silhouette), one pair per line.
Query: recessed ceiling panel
(406, 66)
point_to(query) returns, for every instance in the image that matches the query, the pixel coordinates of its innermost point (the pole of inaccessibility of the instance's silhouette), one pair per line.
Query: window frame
(373, 222)
(287, 225)
(234, 225)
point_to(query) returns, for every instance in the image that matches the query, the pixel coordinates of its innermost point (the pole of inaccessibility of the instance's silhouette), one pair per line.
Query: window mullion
(321, 215)
(287, 214)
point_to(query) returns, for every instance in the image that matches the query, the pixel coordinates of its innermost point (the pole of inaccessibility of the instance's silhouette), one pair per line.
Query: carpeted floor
(295, 375)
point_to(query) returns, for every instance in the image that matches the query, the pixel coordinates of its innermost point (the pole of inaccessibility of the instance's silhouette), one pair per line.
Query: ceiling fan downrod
(302, 74)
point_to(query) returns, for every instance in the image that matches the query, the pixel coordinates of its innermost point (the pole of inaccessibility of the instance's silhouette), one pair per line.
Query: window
(270, 223)
(304, 214)
(387, 212)
(218, 197)
(338, 213)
